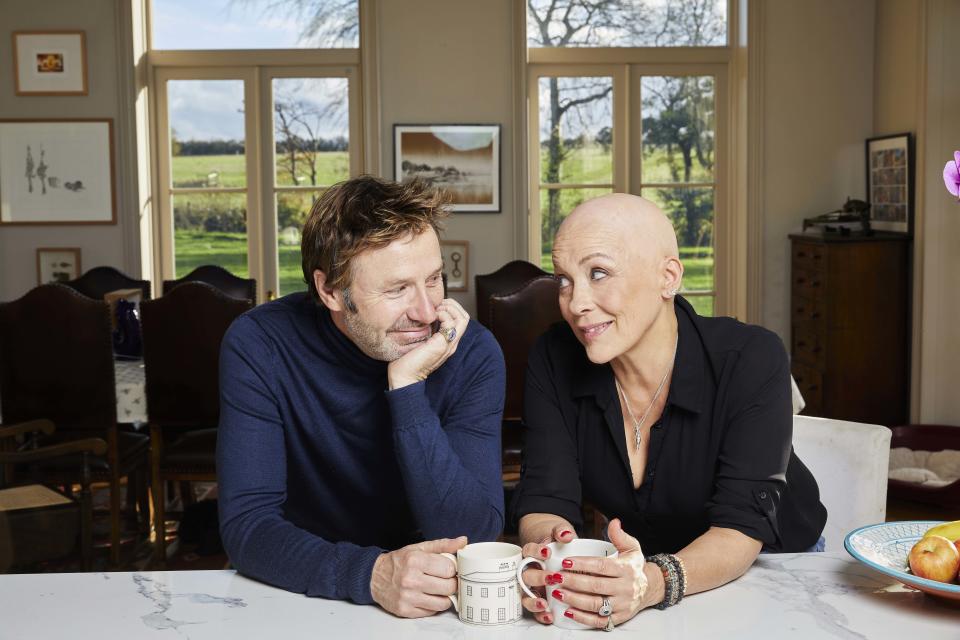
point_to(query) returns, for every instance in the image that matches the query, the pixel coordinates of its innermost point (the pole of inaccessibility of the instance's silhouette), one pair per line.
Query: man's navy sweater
(321, 468)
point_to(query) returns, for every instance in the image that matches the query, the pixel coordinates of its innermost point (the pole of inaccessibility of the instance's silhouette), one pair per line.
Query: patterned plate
(885, 547)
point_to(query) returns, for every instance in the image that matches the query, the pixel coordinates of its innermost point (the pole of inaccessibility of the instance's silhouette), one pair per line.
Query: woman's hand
(584, 583)
(538, 579)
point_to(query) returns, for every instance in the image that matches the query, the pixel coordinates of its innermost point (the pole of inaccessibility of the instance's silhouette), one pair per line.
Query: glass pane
(210, 228)
(679, 128)
(576, 130)
(703, 305)
(254, 24)
(207, 133)
(292, 210)
(311, 130)
(691, 211)
(626, 23)
(555, 205)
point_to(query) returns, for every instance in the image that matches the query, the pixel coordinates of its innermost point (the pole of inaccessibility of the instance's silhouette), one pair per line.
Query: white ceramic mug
(487, 590)
(558, 551)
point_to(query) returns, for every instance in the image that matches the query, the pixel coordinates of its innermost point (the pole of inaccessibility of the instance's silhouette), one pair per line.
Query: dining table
(791, 595)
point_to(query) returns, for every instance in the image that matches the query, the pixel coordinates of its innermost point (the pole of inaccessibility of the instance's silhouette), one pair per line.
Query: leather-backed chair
(517, 303)
(221, 279)
(99, 281)
(182, 332)
(56, 363)
(933, 438)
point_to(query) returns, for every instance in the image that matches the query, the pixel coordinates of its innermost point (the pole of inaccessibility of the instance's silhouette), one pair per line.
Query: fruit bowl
(884, 547)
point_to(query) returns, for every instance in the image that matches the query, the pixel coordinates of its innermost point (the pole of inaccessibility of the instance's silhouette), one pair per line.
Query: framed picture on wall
(890, 183)
(50, 63)
(57, 264)
(455, 255)
(57, 172)
(461, 159)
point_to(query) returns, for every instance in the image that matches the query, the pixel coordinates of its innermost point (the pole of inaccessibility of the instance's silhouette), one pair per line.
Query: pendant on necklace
(636, 437)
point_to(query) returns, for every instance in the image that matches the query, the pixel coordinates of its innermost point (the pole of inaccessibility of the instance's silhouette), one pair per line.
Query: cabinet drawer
(808, 284)
(808, 311)
(808, 347)
(810, 383)
(809, 256)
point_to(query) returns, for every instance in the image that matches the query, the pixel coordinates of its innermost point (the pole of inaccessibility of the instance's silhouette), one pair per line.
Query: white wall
(111, 244)
(818, 100)
(940, 311)
(450, 62)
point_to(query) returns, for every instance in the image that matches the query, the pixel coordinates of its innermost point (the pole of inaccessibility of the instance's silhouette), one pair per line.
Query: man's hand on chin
(414, 582)
(418, 363)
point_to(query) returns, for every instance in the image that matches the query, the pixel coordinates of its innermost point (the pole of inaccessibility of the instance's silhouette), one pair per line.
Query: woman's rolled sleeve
(755, 451)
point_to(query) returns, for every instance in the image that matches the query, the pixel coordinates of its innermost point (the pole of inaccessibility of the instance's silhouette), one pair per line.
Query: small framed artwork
(57, 264)
(56, 172)
(461, 159)
(455, 255)
(890, 183)
(50, 63)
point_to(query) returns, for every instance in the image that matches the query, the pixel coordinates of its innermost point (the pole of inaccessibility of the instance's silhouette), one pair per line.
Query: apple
(935, 558)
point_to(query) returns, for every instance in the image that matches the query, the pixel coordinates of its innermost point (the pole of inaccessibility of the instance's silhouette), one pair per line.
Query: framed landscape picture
(463, 160)
(57, 264)
(50, 63)
(890, 183)
(455, 254)
(56, 172)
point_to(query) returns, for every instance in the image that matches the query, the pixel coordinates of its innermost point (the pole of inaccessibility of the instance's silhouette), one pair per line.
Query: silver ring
(449, 333)
(605, 608)
(609, 626)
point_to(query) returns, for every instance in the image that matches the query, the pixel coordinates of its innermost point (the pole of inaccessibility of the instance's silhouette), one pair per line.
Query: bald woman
(676, 427)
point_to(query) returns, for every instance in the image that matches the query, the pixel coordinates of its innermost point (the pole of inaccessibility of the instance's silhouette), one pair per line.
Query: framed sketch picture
(50, 63)
(56, 172)
(57, 264)
(461, 159)
(890, 183)
(455, 255)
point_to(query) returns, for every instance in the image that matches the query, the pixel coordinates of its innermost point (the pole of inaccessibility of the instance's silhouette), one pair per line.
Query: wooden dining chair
(182, 332)
(39, 523)
(56, 363)
(100, 281)
(219, 278)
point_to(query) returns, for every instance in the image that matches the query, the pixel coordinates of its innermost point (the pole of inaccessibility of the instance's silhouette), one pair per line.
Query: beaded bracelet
(674, 578)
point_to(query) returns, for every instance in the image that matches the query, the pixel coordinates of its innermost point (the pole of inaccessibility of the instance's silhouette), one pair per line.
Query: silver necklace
(638, 423)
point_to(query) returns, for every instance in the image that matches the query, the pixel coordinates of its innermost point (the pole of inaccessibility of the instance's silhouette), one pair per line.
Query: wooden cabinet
(850, 323)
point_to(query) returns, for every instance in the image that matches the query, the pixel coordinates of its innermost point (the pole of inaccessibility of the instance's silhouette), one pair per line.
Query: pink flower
(951, 175)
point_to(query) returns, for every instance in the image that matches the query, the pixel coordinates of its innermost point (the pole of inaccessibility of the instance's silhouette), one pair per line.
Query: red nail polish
(548, 579)
(568, 613)
(544, 552)
(567, 564)
(556, 593)
(557, 578)
(566, 532)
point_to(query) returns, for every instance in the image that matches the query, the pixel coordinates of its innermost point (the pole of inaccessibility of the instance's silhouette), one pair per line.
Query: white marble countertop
(816, 595)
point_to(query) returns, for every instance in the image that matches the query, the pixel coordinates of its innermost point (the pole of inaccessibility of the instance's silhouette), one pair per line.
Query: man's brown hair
(364, 213)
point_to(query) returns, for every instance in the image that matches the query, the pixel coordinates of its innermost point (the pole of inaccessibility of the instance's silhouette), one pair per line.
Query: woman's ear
(672, 277)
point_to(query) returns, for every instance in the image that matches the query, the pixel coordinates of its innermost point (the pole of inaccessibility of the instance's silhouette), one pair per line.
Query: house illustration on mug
(490, 597)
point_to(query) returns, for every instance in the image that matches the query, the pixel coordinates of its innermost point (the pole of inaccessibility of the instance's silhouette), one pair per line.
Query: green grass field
(193, 171)
(586, 165)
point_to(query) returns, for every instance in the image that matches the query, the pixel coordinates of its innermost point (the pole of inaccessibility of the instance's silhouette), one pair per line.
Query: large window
(249, 138)
(631, 96)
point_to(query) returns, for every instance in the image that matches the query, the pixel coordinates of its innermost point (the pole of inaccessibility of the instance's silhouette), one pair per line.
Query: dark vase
(126, 337)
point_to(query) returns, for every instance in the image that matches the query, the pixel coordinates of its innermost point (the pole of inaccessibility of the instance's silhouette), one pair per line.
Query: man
(360, 422)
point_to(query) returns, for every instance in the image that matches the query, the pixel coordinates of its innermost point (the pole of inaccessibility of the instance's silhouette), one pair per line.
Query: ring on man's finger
(605, 608)
(449, 333)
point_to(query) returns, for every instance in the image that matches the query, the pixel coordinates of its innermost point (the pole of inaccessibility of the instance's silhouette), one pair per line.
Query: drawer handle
(801, 310)
(815, 350)
(815, 283)
(815, 315)
(801, 280)
(801, 254)
(801, 344)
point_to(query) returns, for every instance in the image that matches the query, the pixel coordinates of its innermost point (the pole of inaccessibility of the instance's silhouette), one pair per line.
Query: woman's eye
(564, 282)
(597, 274)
